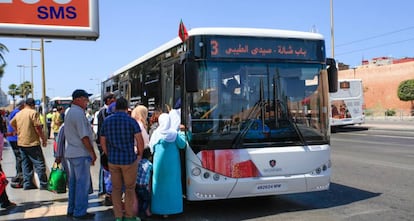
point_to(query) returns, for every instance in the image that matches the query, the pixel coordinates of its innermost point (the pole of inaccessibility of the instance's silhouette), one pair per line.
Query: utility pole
(332, 31)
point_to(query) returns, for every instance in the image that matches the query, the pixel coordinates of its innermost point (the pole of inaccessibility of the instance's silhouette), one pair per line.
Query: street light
(21, 66)
(332, 31)
(42, 54)
(31, 59)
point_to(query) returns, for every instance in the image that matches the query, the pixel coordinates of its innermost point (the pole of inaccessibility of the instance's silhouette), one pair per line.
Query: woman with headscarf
(175, 115)
(140, 114)
(166, 183)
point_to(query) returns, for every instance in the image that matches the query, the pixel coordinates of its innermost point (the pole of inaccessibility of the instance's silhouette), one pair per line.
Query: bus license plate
(269, 187)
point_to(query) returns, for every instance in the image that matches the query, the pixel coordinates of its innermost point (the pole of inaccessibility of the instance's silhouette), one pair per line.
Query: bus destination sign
(272, 48)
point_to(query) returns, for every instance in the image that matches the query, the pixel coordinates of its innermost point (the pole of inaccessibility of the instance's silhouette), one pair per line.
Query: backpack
(101, 117)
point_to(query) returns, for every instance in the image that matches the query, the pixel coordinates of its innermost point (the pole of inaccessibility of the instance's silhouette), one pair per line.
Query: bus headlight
(322, 168)
(216, 177)
(196, 171)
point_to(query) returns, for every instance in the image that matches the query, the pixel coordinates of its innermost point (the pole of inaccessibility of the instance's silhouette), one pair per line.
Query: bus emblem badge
(272, 163)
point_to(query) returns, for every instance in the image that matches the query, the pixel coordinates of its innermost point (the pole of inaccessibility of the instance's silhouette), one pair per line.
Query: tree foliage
(25, 89)
(3, 49)
(406, 90)
(13, 92)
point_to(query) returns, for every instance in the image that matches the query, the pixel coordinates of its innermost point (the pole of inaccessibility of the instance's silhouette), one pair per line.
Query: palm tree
(13, 92)
(3, 49)
(25, 89)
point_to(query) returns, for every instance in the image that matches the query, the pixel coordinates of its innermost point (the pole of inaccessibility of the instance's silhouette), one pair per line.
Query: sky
(130, 28)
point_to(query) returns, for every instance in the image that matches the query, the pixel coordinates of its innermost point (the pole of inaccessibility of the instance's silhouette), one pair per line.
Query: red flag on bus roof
(182, 31)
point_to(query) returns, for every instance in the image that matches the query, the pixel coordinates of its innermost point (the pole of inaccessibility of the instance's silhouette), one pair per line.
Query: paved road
(44, 205)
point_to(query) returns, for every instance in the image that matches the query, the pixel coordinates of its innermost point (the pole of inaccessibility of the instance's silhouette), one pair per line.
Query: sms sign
(73, 19)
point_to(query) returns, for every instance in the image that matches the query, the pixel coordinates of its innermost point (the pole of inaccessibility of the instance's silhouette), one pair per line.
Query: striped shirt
(119, 130)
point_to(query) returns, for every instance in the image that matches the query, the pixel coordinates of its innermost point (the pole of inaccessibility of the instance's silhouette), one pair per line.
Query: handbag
(3, 182)
(58, 179)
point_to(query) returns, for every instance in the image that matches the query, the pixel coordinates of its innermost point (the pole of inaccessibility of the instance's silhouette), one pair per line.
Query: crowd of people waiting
(139, 173)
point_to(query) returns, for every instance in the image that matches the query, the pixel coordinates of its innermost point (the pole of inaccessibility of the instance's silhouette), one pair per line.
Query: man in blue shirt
(79, 154)
(119, 131)
(17, 181)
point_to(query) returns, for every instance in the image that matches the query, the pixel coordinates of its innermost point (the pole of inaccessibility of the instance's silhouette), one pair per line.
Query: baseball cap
(30, 101)
(80, 93)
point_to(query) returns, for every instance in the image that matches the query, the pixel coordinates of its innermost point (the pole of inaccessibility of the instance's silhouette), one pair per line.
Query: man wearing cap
(28, 127)
(17, 181)
(80, 155)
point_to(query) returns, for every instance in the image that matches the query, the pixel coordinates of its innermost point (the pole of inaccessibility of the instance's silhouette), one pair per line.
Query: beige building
(380, 85)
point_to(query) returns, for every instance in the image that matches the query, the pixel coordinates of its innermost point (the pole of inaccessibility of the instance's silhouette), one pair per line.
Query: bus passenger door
(172, 80)
(171, 85)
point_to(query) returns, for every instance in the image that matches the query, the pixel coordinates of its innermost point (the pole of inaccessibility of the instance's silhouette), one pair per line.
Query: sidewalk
(389, 123)
(44, 205)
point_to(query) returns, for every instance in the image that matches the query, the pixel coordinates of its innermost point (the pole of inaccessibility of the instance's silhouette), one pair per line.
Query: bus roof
(95, 97)
(253, 32)
(61, 98)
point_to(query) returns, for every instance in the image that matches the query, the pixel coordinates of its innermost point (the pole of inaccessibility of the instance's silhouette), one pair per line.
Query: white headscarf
(175, 117)
(163, 131)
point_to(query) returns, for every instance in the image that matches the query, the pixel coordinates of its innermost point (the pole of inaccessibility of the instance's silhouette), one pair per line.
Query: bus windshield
(242, 105)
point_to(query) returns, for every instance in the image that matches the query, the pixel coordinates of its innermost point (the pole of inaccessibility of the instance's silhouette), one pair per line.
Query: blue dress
(166, 182)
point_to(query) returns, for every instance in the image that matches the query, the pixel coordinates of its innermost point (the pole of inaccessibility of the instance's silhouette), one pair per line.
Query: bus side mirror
(190, 73)
(332, 75)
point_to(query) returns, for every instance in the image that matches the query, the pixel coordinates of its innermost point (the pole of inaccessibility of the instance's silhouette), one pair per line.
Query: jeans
(144, 199)
(18, 157)
(124, 175)
(79, 185)
(33, 156)
(103, 162)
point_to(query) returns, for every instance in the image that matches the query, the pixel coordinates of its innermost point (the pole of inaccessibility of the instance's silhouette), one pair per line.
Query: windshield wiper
(258, 107)
(284, 110)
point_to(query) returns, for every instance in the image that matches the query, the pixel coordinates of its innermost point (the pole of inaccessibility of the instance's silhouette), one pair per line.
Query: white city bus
(347, 104)
(255, 101)
(63, 102)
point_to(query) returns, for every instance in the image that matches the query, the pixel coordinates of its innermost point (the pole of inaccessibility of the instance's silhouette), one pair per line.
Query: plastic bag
(58, 179)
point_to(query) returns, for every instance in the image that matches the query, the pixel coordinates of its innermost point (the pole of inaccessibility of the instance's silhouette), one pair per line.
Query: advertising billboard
(70, 19)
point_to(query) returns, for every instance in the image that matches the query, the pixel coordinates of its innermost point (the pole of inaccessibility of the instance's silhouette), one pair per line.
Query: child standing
(143, 185)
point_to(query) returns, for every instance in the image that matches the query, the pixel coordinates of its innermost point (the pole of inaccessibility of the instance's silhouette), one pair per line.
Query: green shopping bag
(57, 179)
